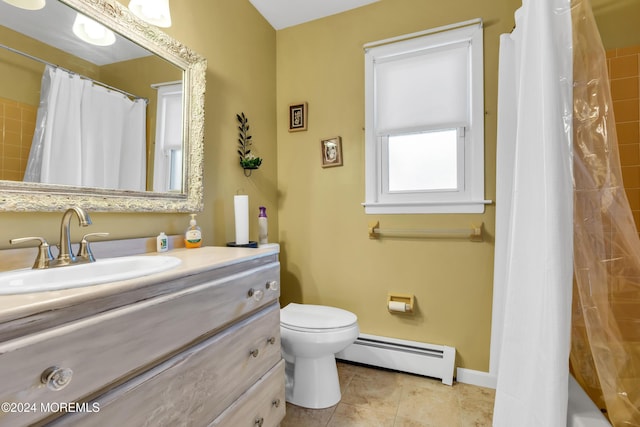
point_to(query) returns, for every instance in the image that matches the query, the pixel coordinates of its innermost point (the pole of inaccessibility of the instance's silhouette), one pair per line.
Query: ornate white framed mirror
(141, 61)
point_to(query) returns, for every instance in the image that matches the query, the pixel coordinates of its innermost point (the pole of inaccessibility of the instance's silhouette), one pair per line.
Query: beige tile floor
(374, 397)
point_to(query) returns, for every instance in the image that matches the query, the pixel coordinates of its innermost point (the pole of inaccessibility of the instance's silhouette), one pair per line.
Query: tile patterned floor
(374, 397)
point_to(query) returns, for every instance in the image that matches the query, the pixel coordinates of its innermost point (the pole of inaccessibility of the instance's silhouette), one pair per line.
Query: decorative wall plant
(248, 161)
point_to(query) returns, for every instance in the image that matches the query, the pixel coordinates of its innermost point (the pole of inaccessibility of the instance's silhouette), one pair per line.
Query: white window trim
(471, 199)
(162, 160)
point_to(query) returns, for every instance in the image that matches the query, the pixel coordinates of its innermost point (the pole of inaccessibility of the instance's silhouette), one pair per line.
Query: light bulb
(27, 4)
(155, 12)
(92, 32)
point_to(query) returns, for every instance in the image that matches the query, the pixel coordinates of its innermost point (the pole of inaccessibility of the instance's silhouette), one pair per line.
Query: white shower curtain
(534, 246)
(87, 135)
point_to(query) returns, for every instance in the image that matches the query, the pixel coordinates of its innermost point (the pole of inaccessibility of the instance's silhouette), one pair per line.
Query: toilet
(311, 335)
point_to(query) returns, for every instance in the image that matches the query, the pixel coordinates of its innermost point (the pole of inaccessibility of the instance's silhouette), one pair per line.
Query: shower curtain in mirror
(87, 135)
(537, 271)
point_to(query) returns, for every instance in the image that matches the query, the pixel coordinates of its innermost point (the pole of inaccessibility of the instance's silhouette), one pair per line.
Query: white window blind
(422, 89)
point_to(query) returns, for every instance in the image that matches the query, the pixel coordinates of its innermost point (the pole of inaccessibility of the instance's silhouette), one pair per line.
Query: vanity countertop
(194, 261)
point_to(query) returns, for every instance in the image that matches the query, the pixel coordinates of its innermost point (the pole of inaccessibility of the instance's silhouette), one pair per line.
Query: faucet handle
(44, 251)
(84, 252)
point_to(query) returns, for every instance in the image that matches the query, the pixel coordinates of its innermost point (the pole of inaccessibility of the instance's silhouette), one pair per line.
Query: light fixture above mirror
(27, 4)
(155, 12)
(92, 32)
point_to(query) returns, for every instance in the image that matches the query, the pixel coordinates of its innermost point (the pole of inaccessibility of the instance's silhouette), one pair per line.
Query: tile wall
(624, 73)
(17, 123)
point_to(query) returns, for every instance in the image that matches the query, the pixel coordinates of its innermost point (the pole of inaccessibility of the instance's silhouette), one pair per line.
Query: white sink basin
(75, 276)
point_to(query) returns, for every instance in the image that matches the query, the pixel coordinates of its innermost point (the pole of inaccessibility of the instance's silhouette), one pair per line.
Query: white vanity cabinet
(202, 349)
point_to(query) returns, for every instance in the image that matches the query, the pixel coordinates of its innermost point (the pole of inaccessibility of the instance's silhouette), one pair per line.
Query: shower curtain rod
(35, 58)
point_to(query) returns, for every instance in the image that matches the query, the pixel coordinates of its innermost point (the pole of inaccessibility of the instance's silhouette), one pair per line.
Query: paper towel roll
(397, 306)
(241, 209)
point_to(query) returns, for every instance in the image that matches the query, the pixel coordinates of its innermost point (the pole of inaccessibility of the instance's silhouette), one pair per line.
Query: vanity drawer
(262, 405)
(111, 347)
(195, 386)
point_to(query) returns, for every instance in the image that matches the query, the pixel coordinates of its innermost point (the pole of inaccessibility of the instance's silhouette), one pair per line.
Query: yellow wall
(240, 48)
(326, 253)
(617, 22)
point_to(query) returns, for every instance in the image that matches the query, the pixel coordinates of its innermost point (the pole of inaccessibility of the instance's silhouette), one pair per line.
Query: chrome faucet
(65, 256)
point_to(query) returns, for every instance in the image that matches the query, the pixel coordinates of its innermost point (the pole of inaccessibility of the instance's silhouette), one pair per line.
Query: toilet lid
(309, 316)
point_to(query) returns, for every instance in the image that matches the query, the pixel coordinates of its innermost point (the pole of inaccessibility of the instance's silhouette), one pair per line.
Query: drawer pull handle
(56, 378)
(256, 294)
(259, 421)
(271, 340)
(276, 403)
(254, 352)
(272, 285)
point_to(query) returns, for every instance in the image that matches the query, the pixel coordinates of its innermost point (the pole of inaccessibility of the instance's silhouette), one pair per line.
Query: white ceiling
(287, 13)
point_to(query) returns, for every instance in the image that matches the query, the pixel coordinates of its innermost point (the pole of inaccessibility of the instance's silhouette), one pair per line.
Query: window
(167, 165)
(424, 139)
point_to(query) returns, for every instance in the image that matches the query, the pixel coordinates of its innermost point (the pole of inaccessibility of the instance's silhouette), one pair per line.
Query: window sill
(471, 206)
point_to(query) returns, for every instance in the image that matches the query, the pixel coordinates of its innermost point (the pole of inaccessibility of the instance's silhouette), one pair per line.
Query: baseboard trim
(479, 378)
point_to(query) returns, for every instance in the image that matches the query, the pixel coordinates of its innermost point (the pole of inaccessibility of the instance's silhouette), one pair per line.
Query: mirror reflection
(85, 107)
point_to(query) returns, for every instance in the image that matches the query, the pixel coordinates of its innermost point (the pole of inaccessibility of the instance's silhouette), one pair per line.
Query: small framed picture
(331, 152)
(298, 117)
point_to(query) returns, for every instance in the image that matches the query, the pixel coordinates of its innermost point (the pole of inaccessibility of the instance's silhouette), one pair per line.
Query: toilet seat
(316, 318)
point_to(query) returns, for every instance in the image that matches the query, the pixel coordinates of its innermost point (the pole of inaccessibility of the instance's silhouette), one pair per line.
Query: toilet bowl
(311, 335)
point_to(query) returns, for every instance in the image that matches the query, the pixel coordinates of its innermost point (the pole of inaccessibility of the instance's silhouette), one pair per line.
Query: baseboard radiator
(437, 361)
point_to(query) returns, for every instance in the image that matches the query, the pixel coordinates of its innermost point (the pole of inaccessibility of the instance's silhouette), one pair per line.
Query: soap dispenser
(263, 232)
(162, 242)
(193, 235)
